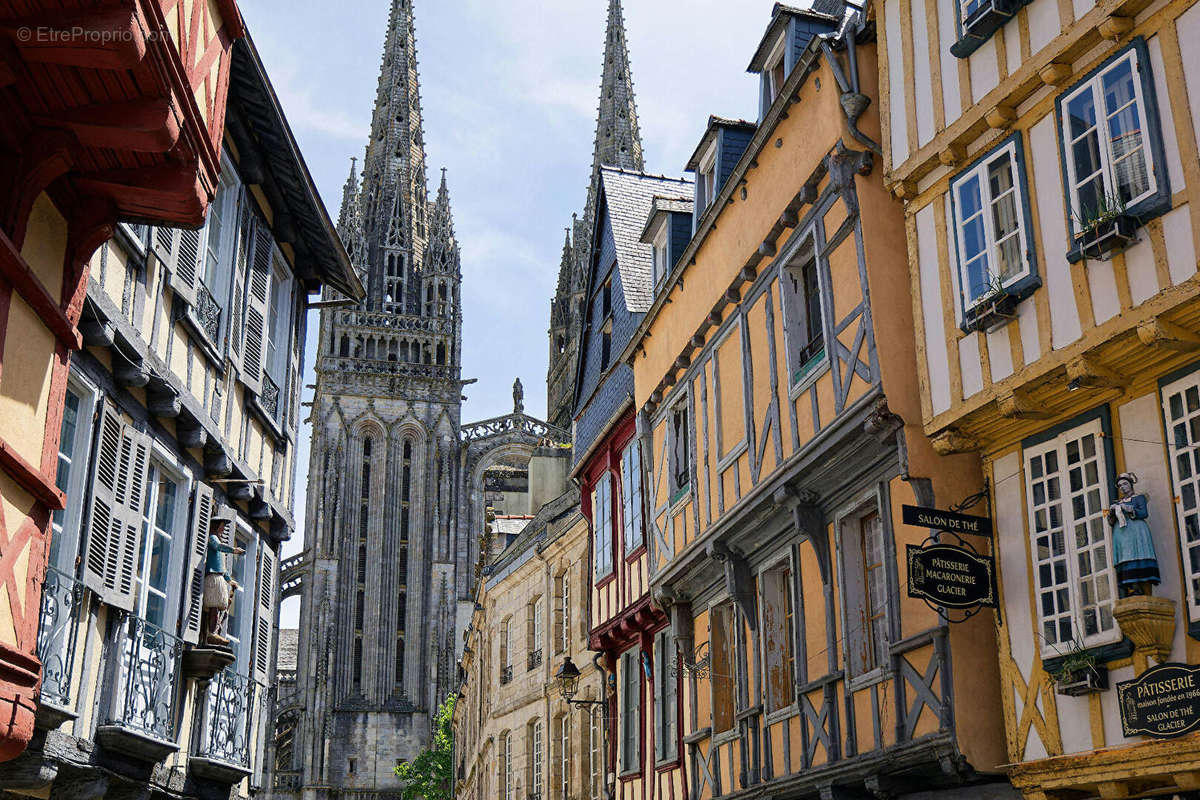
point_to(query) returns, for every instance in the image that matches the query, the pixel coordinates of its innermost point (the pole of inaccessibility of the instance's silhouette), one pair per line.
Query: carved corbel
(191, 434)
(217, 463)
(949, 441)
(129, 373)
(1001, 116)
(97, 333)
(1115, 27)
(738, 580)
(1086, 372)
(952, 155)
(1158, 332)
(882, 423)
(1017, 405)
(1056, 73)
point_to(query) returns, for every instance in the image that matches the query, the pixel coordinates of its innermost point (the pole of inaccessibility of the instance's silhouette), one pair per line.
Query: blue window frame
(993, 231)
(1111, 140)
(979, 19)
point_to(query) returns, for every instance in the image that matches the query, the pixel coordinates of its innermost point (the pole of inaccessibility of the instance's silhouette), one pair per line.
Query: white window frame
(537, 621)
(658, 245)
(986, 204)
(706, 178)
(602, 525)
(139, 242)
(241, 610)
(66, 524)
(537, 763)
(506, 776)
(774, 61)
(1073, 579)
(1185, 484)
(666, 718)
(564, 754)
(1095, 85)
(162, 462)
(633, 505)
(565, 618)
(228, 192)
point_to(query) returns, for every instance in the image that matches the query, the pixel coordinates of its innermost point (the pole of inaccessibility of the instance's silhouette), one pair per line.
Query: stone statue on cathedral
(518, 397)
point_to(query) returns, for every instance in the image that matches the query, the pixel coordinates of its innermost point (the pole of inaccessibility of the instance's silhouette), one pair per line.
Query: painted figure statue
(1133, 546)
(218, 584)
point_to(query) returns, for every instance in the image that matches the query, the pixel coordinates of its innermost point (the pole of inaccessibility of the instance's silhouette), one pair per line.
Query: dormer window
(662, 263)
(606, 299)
(774, 74)
(706, 180)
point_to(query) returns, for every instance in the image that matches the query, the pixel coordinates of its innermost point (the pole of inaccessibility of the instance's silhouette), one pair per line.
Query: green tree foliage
(430, 776)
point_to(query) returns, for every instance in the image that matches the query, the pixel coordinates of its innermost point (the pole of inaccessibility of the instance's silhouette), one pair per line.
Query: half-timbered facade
(184, 400)
(644, 757)
(105, 114)
(1047, 157)
(778, 416)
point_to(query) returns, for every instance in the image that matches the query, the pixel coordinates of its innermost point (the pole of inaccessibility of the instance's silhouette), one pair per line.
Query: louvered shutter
(104, 519)
(132, 474)
(185, 264)
(258, 298)
(245, 244)
(193, 610)
(164, 241)
(264, 616)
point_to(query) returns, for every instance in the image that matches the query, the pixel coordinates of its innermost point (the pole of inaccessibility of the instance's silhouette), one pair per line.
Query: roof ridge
(643, 174)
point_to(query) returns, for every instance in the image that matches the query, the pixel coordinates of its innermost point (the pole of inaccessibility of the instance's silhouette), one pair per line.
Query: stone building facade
(397, 483)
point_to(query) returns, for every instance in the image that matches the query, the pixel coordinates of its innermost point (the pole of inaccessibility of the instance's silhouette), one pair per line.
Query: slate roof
(510, 524)
(714, 124)
(830, 11)
(660, 206)
(289, 642)
(545, 526)
(629, 196)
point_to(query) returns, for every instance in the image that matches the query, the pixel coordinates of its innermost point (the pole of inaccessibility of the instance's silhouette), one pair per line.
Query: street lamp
(567, 679)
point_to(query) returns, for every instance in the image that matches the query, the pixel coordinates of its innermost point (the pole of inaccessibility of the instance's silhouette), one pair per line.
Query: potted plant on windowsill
(993, 309)
(1079, 674)
(1106, 229)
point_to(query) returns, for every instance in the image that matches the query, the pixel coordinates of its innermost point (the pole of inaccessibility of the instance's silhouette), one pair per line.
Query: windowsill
(983, 24)
(725, 736)
(781, 714)
(880, 673)
(668, 763)
(633, 554)
(604, 580)
(1102, 245)
(698, 736)
(988, 315)
(1103, 653)
(809, 374)
(679, 496)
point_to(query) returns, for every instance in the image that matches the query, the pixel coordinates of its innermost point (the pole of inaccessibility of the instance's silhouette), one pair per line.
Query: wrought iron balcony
(223, 746)
(506, 674)
(208, 314)
(269, 398)
(142, 690)
(534, 660)
(58, 630)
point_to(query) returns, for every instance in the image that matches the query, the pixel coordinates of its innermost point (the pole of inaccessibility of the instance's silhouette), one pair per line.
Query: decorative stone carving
(1149, 622)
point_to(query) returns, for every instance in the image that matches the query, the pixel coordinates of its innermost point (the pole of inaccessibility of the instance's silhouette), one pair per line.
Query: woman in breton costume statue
(1133, 546)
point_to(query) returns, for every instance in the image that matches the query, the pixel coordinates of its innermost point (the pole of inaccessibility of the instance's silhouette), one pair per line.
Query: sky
(509, 92)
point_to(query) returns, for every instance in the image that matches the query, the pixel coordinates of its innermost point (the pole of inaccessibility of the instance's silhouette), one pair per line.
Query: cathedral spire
(441, 254)
(349, 197)
(618, 139)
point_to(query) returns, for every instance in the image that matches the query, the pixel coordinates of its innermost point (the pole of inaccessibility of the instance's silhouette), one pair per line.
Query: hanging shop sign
(951, 521)
(951, 577)
(1162, 702)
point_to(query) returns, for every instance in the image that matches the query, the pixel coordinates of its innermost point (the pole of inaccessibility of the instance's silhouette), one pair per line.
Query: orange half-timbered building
(106, 113)
(779, 412)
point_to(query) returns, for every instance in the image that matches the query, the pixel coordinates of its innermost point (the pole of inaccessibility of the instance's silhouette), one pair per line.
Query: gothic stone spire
(441, 254)
(618, 139)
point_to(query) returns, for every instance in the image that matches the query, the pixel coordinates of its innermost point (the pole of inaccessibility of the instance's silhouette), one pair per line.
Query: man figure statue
(518, 397)
(218, 585)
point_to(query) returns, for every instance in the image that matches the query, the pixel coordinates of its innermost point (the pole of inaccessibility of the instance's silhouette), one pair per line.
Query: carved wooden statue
(1133, 546)
(218, 585)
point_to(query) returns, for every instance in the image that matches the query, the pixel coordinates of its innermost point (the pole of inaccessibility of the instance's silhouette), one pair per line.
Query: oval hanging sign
(951, 577)
(1162, 702)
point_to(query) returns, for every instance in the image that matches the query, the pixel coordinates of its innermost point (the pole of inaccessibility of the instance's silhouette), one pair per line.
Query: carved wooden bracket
(1017, 405)
(1086, 372)
(949, 441)
(1158, 332)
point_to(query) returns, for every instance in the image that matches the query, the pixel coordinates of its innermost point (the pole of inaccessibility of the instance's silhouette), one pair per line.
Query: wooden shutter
(185, 264)
(163, 242)
(193, 610)
(245, 243)
(118, 495)
(258, 298)
(264, 616)
(104, 519)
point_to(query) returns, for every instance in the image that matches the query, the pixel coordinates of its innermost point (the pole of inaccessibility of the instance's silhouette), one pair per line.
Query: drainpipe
(854, 102)
(548, 592)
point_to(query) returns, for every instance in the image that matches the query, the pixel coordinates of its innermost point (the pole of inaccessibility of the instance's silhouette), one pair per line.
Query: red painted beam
(105, 38)
(145, 126)
(30, 478)
(169, 193)
(17, 272)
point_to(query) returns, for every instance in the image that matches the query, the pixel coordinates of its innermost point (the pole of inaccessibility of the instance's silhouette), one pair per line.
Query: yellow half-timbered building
(779, 410)
(1046, 152)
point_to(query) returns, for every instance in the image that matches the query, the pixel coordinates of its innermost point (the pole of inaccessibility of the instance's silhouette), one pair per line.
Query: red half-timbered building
(108, 112)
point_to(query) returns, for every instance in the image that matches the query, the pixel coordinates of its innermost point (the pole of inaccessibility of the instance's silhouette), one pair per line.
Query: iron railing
(208, 314)
(228, 716)
(506, 674)
(58, 631)
(534, 660)
(145, 685)
(268, 398)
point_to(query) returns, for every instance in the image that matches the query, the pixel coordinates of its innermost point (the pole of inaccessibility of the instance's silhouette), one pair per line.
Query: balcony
(223, 744)
(142, 690)
(506, 675)
(535, 659)
(58, 632)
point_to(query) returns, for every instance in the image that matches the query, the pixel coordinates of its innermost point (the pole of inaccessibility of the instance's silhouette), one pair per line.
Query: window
(241, 607)
(721, 648)
(534, 760)
(279, 336)
(602, 524)
(779, 637)
(606, 299)
(352, 765)
(506, 776)
(631, 495)
(804, 326)
(605, 344)
(536, 633)
(506, 651)
(659, 245)
(773, 75)
(1067, 491)
(74, 442)
(165, 498)
(990, 226)
(865, 565)
(564, 613)
(216, 254)
(1181, 407)
(1110, 140)
(564, 756)
(136, 235)
(595, 753)
(630, 710)
(666, 694)
(706, 177)
(681, 453)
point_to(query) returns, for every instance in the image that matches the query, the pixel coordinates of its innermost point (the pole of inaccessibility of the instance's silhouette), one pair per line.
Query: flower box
(991, 312)
(1105, 239)
(1085, 680)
